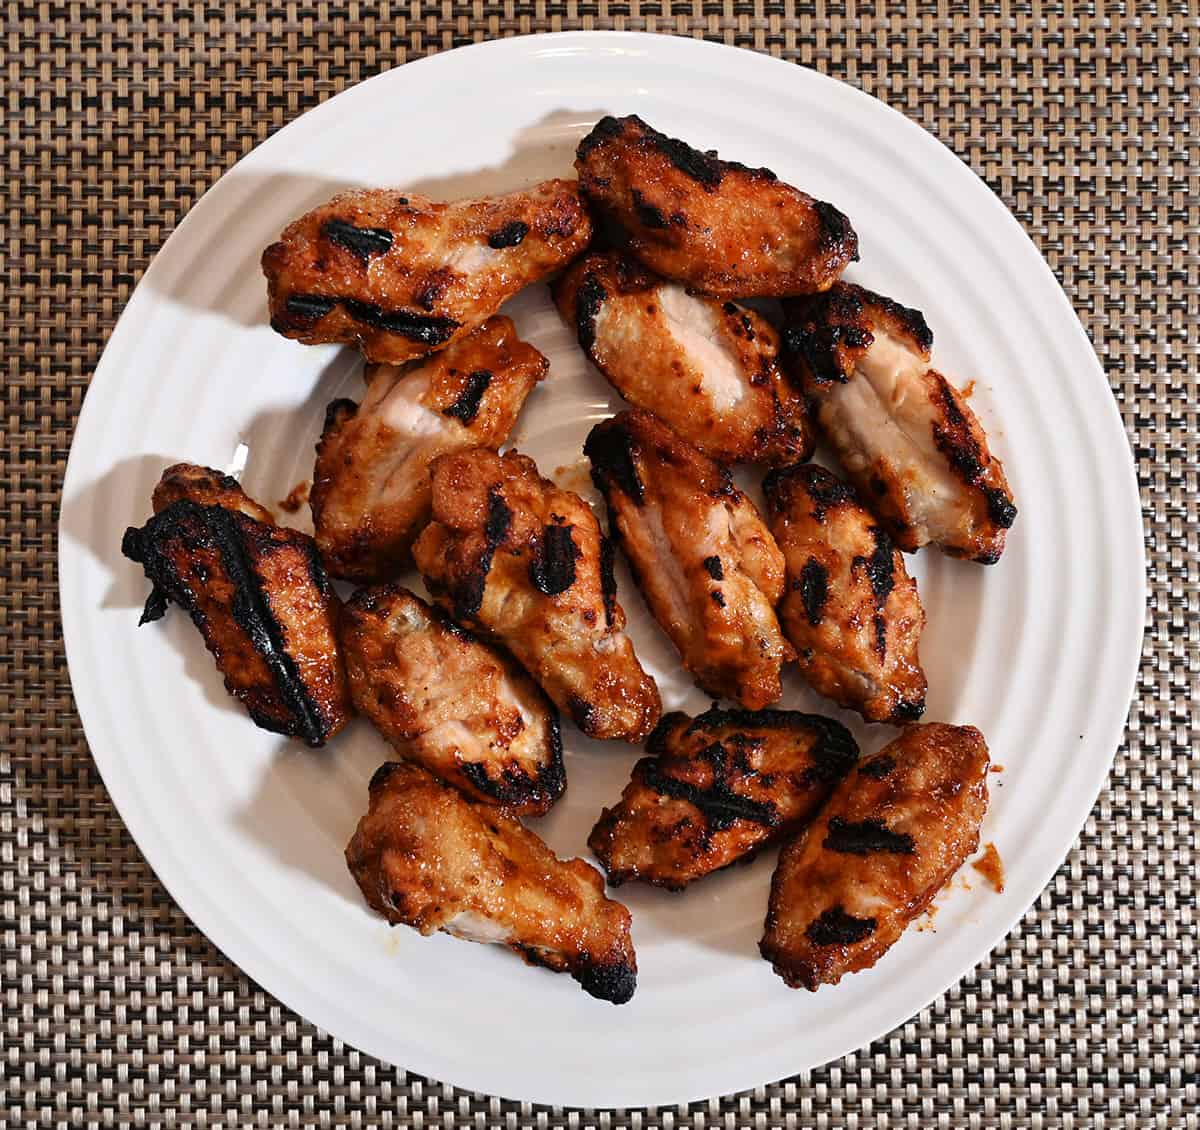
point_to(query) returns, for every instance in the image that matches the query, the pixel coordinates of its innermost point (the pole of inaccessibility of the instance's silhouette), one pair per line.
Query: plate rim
(186, 892)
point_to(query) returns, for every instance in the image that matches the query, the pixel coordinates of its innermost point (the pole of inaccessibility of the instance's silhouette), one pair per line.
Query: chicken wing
(712, 224)
(905, 435)
(451, 703)
(851, 608)
(719, 788)
(707, 368)
(400, 275)
(513, 555)
(371, 488)
(892, 835)
(700, 552)
(427, 857)
(257, 592)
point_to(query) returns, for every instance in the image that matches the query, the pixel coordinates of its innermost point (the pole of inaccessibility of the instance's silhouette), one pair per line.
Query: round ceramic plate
(247, 830)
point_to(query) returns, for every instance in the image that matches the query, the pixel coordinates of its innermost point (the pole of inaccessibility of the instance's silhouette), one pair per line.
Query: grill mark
(878, 767)
(309, 307)
(466, 407)
(837, 928)
(469, 597)
(362, 243)
(718, 598)
(427, 329)
(611, 448)
(880, 625)
(719, 804)
(588, 300)
(227, 532)
(552, 569)
(712, 566)
(814, 590)
(866, 837)
(608, 579)
(1000, 507)
(509, 235)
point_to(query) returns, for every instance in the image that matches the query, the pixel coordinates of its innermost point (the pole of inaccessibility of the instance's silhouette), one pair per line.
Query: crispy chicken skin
(712, 224)
(427, 857)
(447, 701)
(705, 367)
(905, 435)
(371, 487)
(401, 275)
(717, 789)
(521, 560)
(257, 592)
(851, 609)
(892, 835)
(700, 552)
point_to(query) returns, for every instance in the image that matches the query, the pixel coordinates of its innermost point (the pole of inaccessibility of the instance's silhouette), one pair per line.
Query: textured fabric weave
(115, 1010)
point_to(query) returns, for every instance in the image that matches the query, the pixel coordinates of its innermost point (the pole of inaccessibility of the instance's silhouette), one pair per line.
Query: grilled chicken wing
(707, 368)
(425, 856)
(715, 225)
(851, 608)
(721, 786)
(257, 592)
(904, 433)
(700, 552)
(511, 554)
(891, 836)
(371, 487)
(450, 703)
(400, 275)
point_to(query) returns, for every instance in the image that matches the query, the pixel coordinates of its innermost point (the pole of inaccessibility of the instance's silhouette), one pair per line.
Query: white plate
(247, 830)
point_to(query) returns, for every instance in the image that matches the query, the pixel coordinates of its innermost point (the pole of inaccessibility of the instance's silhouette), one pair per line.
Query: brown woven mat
(116, 1010)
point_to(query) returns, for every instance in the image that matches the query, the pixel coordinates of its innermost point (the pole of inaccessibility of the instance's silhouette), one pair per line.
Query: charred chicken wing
(718, 788)
(524, 562)
(705, 367)
(400, 275)
(712, 224)
(851, 608)
(427, 857)
(451, 703)
(257, 592)
(371, 488)
(904, 434)
(700, 552)
(891, 836)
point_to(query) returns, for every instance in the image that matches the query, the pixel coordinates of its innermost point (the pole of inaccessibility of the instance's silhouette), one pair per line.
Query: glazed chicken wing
(524, 562)
(427, 857)
(705, 367)
(905, 435)
(892, 835)
(712, 224)
(700, 552)
(400, 275)
(851, 608)
(257, 592)
(451, 703)
(371, 487)
(719, 788)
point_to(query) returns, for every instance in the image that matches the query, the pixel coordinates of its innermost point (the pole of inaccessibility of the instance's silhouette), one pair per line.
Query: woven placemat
(116, 1010)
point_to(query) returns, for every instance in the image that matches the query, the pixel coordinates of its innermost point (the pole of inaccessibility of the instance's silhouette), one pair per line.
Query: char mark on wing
(552, 569)
(1000, 507)
(837, 928)
(468, 598)
(718, 804)
(604, 130)
(712, 566)
(434, 285)
(362, 243)
(611, 448)
(813, 584)
(466, 407)
(866, 837)
(425, 328)
(878, 767)
(648, 215)
(614, 982)
(836, 232)
(704, 168)
(608, 579)
(588, 300)
(509, 235)
(309, 307)
(380, 777)
(908, 710)
(880, 567)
